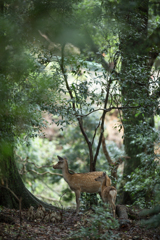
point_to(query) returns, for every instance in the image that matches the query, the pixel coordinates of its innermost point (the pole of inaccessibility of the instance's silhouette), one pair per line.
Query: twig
(58, 174)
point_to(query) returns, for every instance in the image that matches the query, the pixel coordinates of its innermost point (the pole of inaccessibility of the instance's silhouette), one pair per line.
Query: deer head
(61, 163)
(101, 178)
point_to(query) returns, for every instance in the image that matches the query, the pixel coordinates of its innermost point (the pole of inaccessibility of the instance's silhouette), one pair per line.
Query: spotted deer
(108, 193)
(80, 182)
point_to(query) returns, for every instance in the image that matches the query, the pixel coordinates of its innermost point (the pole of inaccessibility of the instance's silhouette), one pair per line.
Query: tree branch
(79, 118)
(114, 165)
(102, 123)
(108, 110)
(41, 174)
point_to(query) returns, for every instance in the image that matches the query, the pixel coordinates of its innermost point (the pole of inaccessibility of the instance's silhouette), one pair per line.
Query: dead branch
(52, 45)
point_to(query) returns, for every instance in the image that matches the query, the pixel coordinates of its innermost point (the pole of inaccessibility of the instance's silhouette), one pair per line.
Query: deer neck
(103, 185)
(66, 173)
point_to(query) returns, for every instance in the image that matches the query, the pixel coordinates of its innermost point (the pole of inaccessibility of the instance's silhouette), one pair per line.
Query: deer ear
(104, 173)
(60, 158)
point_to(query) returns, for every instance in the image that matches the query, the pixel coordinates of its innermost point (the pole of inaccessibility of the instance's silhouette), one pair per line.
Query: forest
(79, 102)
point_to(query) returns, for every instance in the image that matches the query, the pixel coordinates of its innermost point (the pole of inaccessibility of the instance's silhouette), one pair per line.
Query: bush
(98, 226)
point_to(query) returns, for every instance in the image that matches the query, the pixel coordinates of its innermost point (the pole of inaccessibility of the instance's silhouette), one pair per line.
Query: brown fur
(80, 182)
(108, 193)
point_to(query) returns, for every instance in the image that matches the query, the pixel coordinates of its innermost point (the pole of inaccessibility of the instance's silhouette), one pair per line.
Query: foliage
(99, 225)
(154, 221)
(34, 157)
(89, 200)
(143, 182)
(22, 80)
(75, 150)
(35, 160)
(34, 36)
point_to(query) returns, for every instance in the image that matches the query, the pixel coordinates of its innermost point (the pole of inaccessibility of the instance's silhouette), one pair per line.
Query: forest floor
(35, 229)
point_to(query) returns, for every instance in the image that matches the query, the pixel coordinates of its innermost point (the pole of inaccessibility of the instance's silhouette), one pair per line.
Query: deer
(108, 193)
(80, 182)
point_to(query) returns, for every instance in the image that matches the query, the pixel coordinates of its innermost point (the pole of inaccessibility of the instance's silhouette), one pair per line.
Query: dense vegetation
(79, 61)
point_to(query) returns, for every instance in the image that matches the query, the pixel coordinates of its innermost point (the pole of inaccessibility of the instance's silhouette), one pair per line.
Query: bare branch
(108, 110)
(52, 44)
(95, 132)
(73, 105)
(41, 174)
(106, 152)
(102, 123)
(114, 165)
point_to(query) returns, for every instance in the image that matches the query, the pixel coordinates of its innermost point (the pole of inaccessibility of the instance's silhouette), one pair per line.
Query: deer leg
(114, 205)
(114, 209)
(78, 193)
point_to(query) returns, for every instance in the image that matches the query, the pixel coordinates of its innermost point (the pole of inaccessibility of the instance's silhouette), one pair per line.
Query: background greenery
(79, 61)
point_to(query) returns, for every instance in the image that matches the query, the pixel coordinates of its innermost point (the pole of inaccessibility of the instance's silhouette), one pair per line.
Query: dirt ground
(60, 230)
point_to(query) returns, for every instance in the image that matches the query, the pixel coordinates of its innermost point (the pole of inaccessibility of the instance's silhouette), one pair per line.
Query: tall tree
(139, 48)
(123, 84)
(20, 100)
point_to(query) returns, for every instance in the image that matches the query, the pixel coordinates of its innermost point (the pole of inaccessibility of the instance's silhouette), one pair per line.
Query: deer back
(109, 194)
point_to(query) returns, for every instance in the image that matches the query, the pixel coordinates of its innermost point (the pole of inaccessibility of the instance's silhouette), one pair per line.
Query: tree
(26, 93)
(119, 78)
(122, 75)
(21, 97)
(139, 49)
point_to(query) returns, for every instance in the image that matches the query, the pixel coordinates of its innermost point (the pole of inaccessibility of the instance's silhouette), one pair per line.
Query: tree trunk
(10, 180)
(123, 216)
(121, 211)
(134, 84)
